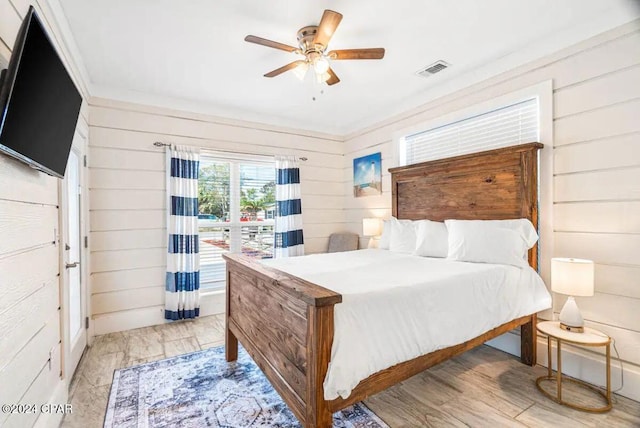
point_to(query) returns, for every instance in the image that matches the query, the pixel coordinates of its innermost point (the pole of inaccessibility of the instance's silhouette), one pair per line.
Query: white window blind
(506, 126)
(236, 204)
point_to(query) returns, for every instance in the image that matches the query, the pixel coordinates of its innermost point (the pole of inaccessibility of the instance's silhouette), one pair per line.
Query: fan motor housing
(306, 35)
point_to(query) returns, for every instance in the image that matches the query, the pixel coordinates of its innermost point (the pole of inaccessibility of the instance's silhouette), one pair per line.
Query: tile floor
(483, 387)
(89, 390)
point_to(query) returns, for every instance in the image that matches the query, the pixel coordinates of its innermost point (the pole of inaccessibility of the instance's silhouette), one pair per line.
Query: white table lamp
(371, 227)
(573, 277)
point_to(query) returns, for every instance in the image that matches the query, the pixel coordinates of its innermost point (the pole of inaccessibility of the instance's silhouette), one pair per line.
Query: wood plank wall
(30, 348)
(127, 198)
(596, 175)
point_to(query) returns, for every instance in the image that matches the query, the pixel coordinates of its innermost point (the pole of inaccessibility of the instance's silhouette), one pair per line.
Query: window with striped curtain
(507, 126)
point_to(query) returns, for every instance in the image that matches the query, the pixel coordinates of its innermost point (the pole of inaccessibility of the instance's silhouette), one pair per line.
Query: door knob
(72, 265)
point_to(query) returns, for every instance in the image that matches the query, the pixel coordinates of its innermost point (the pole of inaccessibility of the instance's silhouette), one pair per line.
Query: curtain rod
(160, 144)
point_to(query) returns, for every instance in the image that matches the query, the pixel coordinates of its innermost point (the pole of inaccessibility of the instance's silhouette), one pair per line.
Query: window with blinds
(506, 126)
(236, 197)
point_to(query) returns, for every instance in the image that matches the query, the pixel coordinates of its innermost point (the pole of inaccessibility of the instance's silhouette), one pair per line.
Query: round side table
(590, 337)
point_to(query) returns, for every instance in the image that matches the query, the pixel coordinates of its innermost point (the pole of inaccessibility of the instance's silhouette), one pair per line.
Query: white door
(75, 333)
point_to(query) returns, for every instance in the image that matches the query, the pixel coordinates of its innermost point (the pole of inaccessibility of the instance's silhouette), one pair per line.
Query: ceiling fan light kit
(313, 41)
(301, 70)
(321, 65)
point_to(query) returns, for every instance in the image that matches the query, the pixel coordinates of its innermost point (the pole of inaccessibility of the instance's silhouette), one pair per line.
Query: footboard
(286, 325)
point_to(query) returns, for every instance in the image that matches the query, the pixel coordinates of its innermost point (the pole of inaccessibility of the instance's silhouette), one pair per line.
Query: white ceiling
(191, 54)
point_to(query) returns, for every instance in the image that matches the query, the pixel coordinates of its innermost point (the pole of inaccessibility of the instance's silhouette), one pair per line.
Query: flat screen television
(39, 101)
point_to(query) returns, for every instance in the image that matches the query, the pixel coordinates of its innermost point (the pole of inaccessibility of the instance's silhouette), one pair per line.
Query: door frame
(79, 148)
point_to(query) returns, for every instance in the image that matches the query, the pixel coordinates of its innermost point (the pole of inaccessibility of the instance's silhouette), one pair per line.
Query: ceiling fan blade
(327, 27)
(269, 43)
(284, 68)
(371, 53)
(333, 79)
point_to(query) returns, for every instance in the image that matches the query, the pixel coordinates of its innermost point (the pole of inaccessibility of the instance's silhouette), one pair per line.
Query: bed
(287, 323)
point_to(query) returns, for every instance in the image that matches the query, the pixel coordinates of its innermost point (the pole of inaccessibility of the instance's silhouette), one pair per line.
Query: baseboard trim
(578, 363)
(53, 419)
(210, 304)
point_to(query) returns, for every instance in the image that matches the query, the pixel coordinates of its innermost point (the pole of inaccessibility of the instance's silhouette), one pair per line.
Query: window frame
(542, 91)
(234, 225)
(486, 131)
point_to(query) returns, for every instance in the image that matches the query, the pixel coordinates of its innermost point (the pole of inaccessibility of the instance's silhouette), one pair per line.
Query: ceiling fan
(313, 41)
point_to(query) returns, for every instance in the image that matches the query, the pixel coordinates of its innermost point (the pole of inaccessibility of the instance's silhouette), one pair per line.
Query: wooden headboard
(491, 185)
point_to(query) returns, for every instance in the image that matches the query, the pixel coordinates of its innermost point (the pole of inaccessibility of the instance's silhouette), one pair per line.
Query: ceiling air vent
(433, 68)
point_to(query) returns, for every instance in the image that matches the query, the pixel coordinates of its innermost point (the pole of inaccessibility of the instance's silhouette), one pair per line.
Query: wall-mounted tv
(39, 101)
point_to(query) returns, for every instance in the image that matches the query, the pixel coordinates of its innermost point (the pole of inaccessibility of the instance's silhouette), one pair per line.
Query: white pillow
(431, 239)
(521, 225)
(486, 242)
(403, 236)
(385, 238)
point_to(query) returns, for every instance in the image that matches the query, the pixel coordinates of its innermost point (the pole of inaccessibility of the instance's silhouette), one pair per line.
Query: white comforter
(396, 307)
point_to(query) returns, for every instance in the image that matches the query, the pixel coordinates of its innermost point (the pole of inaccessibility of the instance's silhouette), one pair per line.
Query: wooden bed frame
(286, 323)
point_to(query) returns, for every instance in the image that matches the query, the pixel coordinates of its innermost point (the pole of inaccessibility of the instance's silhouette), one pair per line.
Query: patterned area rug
(203, 390)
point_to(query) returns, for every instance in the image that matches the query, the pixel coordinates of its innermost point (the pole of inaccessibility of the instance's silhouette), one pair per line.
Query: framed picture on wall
(367, 175)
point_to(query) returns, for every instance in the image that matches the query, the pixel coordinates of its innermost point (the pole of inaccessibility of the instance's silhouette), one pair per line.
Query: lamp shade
(371, 226)
(573, 277)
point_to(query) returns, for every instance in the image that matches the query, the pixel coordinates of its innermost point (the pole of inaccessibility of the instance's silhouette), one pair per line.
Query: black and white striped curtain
(288, 241)
(182, 298)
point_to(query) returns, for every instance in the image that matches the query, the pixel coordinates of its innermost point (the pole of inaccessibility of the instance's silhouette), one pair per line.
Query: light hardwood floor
(483, 387)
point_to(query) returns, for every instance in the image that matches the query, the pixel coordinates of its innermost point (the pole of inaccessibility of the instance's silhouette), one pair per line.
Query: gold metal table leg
(549, 371)
(559, 372)
(609, 374)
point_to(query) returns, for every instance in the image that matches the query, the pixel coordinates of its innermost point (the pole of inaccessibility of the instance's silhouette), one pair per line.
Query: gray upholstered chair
(343, 242)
